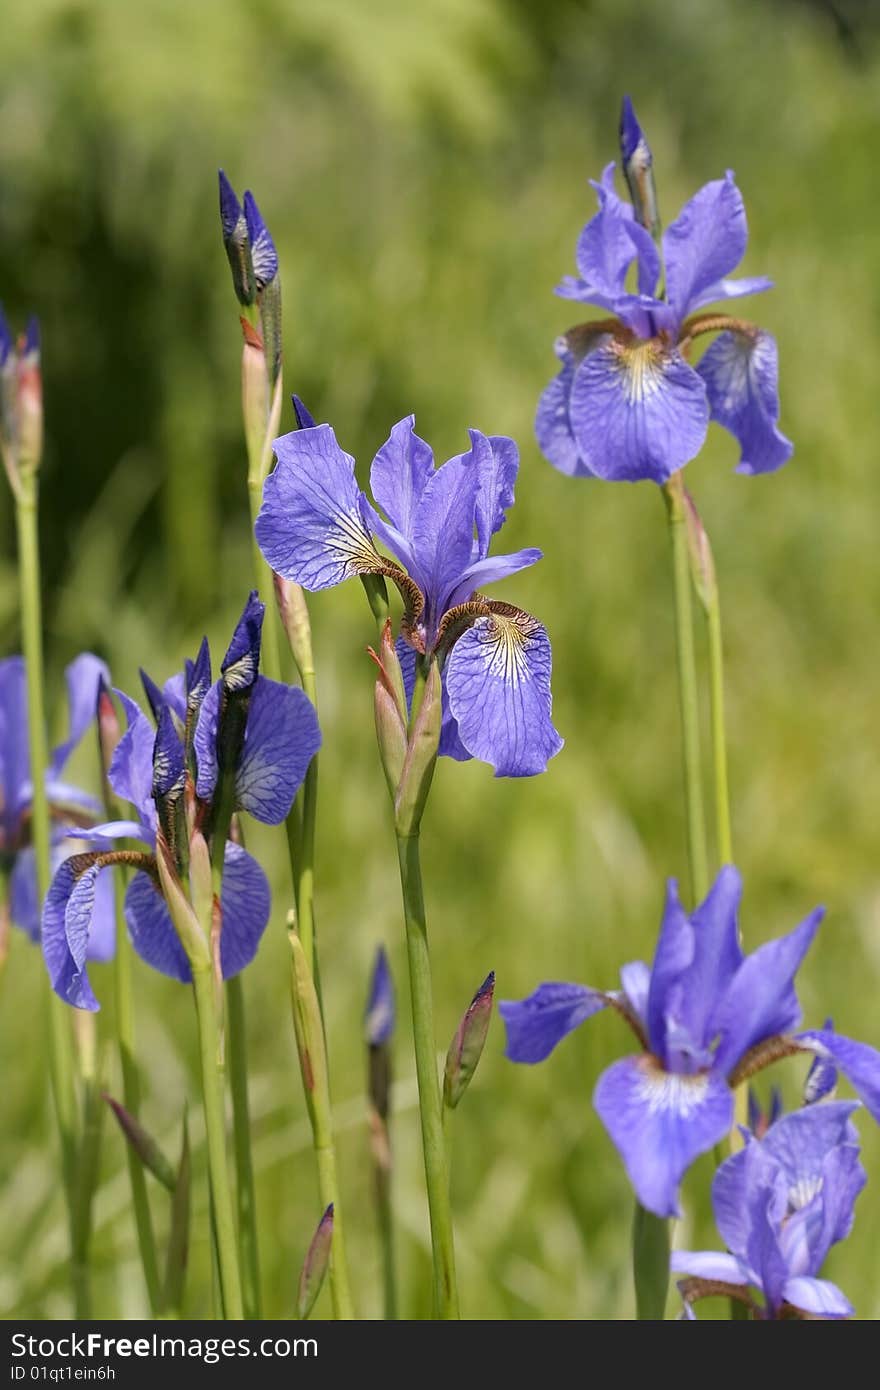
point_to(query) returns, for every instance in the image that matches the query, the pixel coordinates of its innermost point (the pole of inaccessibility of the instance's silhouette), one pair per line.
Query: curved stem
(215, 1135)
(430, 1104)
(687, 690)
(61, 1067)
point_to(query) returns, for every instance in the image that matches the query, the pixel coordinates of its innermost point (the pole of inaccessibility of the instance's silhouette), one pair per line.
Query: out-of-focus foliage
(423, 169)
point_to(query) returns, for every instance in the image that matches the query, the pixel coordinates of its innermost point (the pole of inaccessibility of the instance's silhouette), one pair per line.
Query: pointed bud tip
(198, 676)
(230, 207)
(240, 665)
(379, 1017)
(631, 133)
(168, 766)
(304, 418)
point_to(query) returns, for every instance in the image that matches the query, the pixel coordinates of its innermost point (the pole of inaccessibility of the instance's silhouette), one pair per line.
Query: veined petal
(741, 372)
(609, 244)
(801, 1141)
(858, 1062)
(707, 1264)
(637, 410)
(131, 769)
(498, 467)
(310, 527)
(108, 830)
(498, 678)
(553, 425)
(717, 954)
(705, 242)
(660, 1123)
(490, 570)
(673, 955)
(818, 1296)
(400, 547)
(245, 901)
(730, 289)
(760, 1000)
(152, 931)
(281, 738)
(400, 473)
(83, 677)
(67, 915)
(537, 1023)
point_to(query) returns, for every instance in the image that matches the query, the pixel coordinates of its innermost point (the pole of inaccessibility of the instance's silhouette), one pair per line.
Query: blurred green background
(423, 169)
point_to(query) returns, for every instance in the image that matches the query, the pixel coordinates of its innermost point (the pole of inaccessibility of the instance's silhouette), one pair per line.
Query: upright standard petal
(660, 1123)
(131, 770)
(241, 663)
(674, 953)
(717, 953)
(400, 473)
(537, 1023)
(741, 371)
(83, 677)
(705, 242)
(607, 247)
(761, 1000)
(310, 527)
(498, 678)
(443, 532)
(498, 465)
(637, 410)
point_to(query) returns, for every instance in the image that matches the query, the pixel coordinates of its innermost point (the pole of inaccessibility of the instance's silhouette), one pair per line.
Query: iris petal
(637, 410)
(310, 527)
(740, 372)
(705, 243)
(399, 474)
(553, 424)
(83, 677)
(660, 1123)
(537, 1023)
(498, 678)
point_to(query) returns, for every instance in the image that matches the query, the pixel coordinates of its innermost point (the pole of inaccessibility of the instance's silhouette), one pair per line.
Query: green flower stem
(131, 1094)
(719, 738)
(215, 1135)
(650, 1246)
(304, 867)
(386, 1241)
(687, 689)
(236, 1040)
(430, 1106)
(61, 1069)
(309, 1028)
(87, 1161)
(241, 1130)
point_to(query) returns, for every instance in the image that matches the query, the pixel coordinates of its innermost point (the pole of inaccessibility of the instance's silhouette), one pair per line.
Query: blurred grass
(424, 173)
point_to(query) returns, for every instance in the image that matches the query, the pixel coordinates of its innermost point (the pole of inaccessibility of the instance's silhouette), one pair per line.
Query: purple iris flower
(707, 1018)
(316, 527)
(780, 1204)
(627, 404)
(253, 259)
(260, 733)
(68, 805)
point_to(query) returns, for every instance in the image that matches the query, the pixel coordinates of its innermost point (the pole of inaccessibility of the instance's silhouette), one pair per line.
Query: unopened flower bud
(294, 613)
(144, 1145)
(638, 168)
(421, 757)
(315, 1265)
(180, 910)
(378, 1028)
(466, 1047)
(236, 241)
(30, 401)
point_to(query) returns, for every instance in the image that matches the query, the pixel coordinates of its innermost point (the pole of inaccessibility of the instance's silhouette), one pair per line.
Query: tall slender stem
(304, 872)
(215, 1134)
(687, 690)
(87, 1159)
(650, 1243)
(719, 738)
(430, 1104)
(131, 1092)
(241, 1132)
(61, 1068)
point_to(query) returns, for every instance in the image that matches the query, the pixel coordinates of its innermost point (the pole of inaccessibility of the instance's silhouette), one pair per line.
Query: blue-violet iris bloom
(171, 776)
(316, 527)
(68, 805)
(780, 1204)
(627, 404)
(379, 1016)
(707, 1018)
